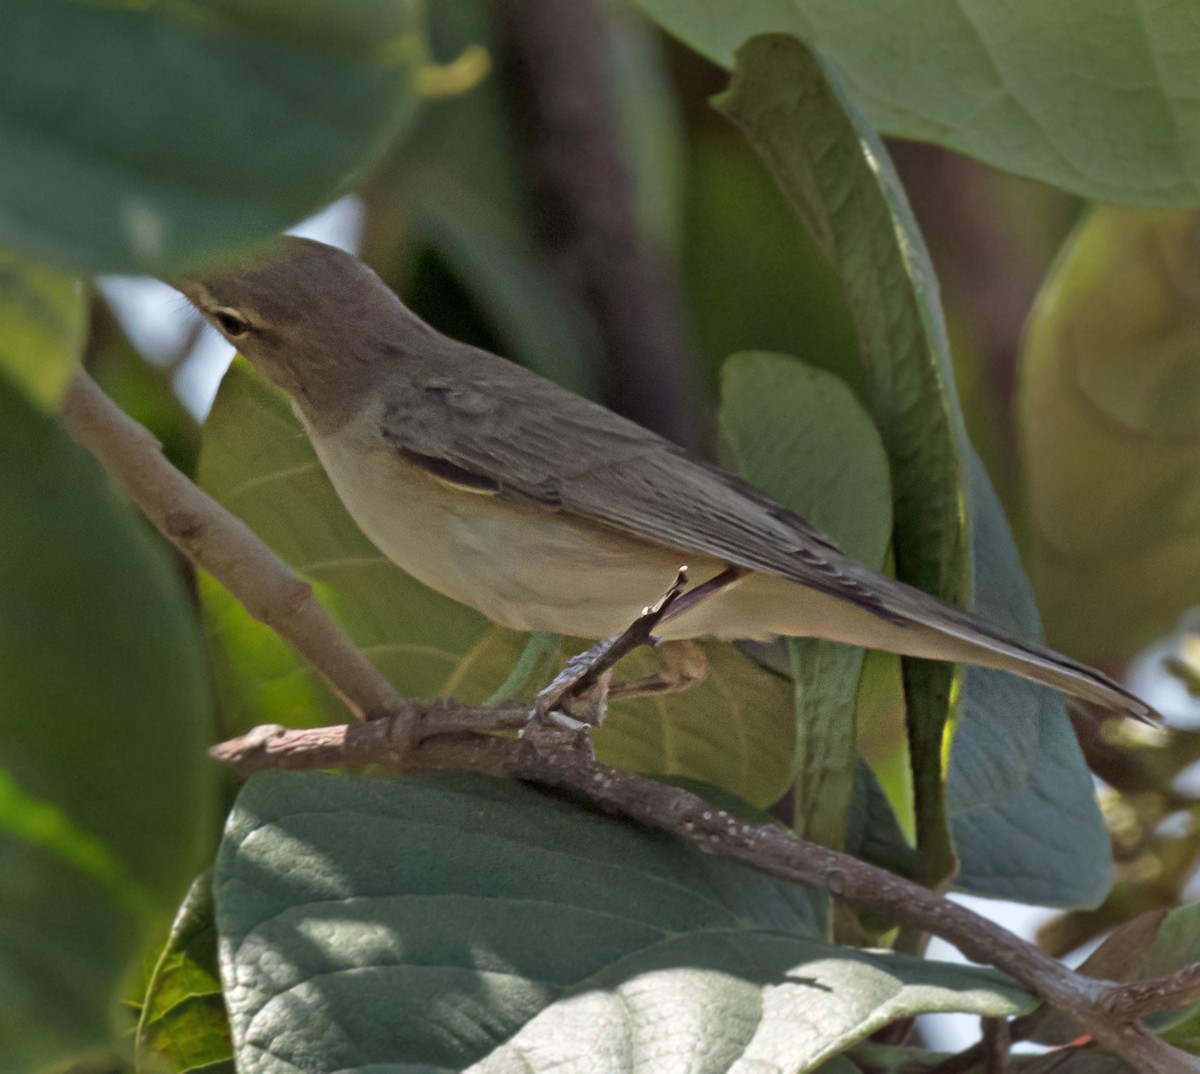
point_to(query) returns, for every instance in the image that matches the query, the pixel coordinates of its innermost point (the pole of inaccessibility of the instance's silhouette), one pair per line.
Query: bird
(546, 511)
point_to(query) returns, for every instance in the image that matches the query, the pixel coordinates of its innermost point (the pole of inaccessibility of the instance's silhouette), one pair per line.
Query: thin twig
(219, 542)
(1139, 998)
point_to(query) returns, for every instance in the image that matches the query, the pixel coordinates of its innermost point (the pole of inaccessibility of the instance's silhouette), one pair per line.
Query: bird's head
(313, 319)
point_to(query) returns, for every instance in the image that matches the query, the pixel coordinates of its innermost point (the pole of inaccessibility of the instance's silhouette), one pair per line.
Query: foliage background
(150, 139)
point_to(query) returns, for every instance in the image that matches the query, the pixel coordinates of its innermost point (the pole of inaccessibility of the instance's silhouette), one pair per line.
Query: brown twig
(226, 547)
(1134, 1000)
(997, 1043)
(442, 730)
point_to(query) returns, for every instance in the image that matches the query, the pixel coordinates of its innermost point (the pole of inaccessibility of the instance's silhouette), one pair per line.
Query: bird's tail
(955, 634)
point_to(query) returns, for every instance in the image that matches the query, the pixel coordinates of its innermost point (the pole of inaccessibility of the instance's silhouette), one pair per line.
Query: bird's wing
(531, 442)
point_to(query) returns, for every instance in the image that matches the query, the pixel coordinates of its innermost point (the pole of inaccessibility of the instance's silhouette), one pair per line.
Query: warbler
(546, 511)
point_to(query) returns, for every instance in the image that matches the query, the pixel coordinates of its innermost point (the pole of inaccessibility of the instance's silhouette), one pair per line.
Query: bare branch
(1139, 998)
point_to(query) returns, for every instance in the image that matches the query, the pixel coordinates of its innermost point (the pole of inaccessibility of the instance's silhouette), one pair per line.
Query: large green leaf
(1015, 759)
(495, 909)
(139, 137)
(734, 730)
(1109, 404)
(1098, 97)
(104, 708)
(801, 435)
(43, 320)
(837, 175)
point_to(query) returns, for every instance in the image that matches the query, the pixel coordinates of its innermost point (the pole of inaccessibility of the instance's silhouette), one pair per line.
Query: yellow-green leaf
(1109, 409)
(43, 323)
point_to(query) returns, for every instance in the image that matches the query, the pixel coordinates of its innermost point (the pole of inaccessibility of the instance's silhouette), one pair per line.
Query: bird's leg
(585, 668)
(581, 671)
(718, 583)
(684, 665)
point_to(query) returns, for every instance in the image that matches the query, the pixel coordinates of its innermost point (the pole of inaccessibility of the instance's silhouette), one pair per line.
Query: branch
(219, 542)
(213, 539)
(766, 848)
(1129, 1001)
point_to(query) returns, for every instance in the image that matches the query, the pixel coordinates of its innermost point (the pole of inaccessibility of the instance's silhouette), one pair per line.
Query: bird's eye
(231, 323)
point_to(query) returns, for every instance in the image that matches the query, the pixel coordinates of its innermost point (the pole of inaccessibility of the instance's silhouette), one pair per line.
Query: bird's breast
(521, 566)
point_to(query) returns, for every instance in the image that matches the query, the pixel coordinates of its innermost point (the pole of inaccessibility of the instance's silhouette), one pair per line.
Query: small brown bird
(546, 511)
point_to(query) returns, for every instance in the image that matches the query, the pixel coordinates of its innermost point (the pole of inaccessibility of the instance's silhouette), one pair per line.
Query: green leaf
(43, 323)
(837, 175)
(1107, 113)
(104, 708)
(498, 910)
(1109, 388)
(735, 730)
(183, 1023)
(142, 137)
(873, 831)
(1015, 759)
(801, 435)
(1176, 946)
(751, 270)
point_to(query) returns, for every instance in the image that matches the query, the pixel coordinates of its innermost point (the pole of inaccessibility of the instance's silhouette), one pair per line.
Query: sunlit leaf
(598, 944)
(1109, 405)
(183, 1025)
(43, 322)
(1096, 96)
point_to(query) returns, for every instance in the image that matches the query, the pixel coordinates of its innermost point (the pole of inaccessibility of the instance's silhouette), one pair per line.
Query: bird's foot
(585, 669)
(684, 665)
